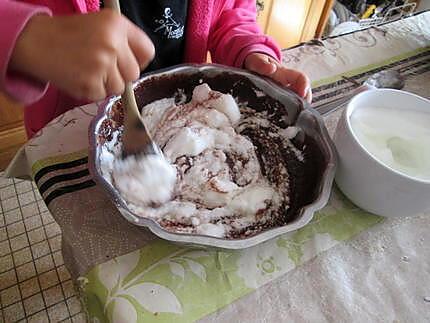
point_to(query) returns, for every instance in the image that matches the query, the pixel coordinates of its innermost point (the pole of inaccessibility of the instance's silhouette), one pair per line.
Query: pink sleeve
(236, 34)
(14, 16)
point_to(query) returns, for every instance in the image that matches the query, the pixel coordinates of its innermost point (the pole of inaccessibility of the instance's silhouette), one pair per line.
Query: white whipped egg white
(144, 179)
(213, 184)
(398, 138)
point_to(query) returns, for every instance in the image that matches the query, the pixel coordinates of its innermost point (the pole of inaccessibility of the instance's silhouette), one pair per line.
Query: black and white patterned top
(164, 21)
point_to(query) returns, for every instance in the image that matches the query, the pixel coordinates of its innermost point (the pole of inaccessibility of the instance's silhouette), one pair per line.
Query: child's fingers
(141, 45)
(128, 66)
(260, 63)
(93, 88)
(295, 80)
(115, 82)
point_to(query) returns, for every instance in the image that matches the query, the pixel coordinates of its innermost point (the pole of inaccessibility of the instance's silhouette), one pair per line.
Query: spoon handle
(132, 118)
(133, 114)
(136, 137)
(113, 4)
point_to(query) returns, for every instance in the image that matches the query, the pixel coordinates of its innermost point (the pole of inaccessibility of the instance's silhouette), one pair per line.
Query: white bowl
(365, 180)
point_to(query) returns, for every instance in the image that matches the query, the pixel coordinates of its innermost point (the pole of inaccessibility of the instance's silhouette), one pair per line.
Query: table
(346, 265)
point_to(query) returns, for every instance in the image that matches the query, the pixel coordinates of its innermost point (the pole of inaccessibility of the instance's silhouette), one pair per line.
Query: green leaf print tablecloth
(166, 282)
(345, 265)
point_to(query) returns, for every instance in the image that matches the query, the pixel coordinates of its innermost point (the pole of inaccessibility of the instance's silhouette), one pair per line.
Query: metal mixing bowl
(310, 183)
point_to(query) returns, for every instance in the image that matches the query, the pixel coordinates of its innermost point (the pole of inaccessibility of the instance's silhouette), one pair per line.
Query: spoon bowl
(388, 79)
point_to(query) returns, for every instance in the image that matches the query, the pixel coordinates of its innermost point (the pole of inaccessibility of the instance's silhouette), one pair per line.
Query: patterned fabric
(154, 283)
(127, 275)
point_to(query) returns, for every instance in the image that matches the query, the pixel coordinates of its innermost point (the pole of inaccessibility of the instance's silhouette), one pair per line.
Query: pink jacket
(226, 28)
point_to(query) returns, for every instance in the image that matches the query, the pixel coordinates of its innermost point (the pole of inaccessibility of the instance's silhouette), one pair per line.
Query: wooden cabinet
(12, 132)
(291, 22)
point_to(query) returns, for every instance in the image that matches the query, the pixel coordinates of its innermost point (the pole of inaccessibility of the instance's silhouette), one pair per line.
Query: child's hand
(293, 79)
(88, 56)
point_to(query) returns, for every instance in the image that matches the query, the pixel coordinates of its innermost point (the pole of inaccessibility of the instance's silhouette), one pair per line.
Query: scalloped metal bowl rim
(306, 213)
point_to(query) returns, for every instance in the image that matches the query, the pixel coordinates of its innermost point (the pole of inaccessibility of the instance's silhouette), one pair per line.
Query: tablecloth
(346, 265)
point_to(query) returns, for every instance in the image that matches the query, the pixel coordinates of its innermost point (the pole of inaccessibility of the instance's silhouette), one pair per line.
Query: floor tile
(5, 181)
(19, 242)
(40, 317)
(44, 264)
(58, 312)
(58, 258)
(10, 295)
(34, 304)
(63, 273)
(42, 206)
(12, 216)
(23, 187)
(9, 204)
(26, 198)
(29, 287)
(74, 305)
(55, 243)
(7, 279)
(15, 229)
(33, 222)
(26, 271)
(48, 279)
(53, 295)
(40, 249)
(47, 218)
(4, 248)
(68, 289)
(52, 229)
(7, 192)
(37, 194)
(35, 286)
(3, 234)
(14, 312)
(22, 256)
(6, 263)
(36, 235)
(30, 210)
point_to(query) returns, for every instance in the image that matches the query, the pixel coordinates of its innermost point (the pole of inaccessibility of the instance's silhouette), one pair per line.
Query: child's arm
(13, 18)
(87, 56)
(236, 40)
(235, 34)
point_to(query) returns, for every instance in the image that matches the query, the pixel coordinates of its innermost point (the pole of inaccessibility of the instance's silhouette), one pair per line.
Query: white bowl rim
(348, 112)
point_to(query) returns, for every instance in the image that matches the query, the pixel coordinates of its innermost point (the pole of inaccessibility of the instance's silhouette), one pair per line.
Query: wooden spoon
(136, 139)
